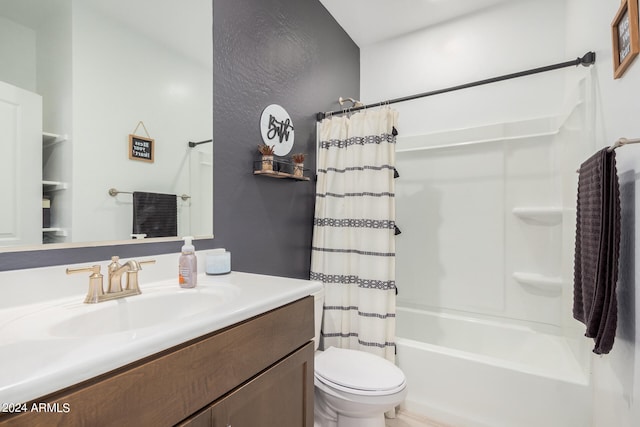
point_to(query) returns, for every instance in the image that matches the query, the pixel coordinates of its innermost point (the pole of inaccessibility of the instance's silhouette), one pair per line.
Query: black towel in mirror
(155, 214)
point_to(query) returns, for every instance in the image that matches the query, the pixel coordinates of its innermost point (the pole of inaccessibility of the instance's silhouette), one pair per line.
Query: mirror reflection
(98, 95)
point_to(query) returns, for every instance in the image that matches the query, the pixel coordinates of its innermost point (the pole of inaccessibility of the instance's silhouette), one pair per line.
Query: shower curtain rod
(586, 60)
(193, 144)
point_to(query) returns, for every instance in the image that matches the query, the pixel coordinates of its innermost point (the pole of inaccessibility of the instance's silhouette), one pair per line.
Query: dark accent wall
(88, 254)
(287, 52)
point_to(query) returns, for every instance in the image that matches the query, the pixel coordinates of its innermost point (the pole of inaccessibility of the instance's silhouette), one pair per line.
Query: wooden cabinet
(282, 396)
(246, 375)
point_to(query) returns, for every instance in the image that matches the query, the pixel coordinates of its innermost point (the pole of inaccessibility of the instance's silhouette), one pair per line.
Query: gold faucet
(115, 290)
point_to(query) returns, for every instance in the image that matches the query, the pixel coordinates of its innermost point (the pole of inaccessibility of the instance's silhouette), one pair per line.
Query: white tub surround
(50, 339)
(468, 372)
(497, 345)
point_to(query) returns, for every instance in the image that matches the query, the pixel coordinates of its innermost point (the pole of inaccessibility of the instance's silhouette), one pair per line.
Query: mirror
(99, 71)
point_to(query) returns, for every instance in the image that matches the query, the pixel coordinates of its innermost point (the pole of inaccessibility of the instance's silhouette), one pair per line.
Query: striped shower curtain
(353, 251)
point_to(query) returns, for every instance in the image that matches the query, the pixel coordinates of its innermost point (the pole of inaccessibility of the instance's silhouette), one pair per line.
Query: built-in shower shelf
(547, 284)
(550, 215)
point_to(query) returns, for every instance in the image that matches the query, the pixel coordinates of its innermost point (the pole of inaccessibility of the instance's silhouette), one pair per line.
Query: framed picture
(140, 148)
(624, 35)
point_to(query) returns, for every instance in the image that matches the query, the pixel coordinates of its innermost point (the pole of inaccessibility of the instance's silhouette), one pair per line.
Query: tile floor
(409, 420)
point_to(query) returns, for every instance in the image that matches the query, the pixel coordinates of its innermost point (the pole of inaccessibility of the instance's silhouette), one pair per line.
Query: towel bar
(114, 192)
(623, 141)
(619, 143)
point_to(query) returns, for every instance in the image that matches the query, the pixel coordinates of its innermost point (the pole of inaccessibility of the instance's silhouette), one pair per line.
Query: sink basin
(51, 340)
(137, 312)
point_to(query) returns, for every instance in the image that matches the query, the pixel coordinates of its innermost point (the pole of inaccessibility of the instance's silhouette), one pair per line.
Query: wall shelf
(276, 174)
(282, 169)
(547, 284)
(549, 215)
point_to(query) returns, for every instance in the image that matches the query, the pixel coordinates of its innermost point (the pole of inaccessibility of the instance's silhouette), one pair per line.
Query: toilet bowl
(353, 388)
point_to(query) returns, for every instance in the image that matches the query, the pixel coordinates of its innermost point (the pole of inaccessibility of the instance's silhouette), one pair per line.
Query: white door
(20, 166)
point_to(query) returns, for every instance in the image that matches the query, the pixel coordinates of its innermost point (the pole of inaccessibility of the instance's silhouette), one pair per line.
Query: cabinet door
(201, 419)
(281, 396)
(20, 166)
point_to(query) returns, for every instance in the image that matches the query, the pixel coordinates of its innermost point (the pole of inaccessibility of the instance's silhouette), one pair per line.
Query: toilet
(352, 388)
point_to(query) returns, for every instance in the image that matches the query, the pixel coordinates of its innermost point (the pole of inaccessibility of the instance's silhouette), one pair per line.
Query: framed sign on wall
(624, 35)
(140, 148)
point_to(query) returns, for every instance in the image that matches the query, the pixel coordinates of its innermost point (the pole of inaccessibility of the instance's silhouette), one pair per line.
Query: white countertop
(35, 359)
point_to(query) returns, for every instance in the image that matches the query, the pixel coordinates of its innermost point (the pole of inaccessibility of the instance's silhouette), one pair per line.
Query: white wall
(119, 79)
(484, 44)
(18, 50)
(616, 376)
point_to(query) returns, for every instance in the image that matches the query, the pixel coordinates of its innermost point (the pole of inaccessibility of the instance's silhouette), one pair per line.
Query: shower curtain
(353, 251)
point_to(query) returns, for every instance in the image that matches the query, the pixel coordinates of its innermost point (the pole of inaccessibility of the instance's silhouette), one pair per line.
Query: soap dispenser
(188, 265)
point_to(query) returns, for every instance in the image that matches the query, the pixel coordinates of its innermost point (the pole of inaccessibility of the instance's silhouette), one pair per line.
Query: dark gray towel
(155, 214)
(597, 249)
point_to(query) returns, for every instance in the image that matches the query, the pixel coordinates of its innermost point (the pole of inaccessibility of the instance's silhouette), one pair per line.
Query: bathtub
(465, 372)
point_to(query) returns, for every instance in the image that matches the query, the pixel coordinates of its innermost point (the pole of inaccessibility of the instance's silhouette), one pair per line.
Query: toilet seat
(357, 372)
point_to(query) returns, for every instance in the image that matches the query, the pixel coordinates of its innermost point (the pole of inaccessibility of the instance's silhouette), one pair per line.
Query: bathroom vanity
(255, 362)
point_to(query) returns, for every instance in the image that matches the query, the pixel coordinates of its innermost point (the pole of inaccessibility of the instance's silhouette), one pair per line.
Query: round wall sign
(277, 129)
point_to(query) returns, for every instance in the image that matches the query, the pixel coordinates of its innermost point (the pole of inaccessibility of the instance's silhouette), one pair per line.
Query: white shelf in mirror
(548, 284)
(53, 186)
(550, 215)
(57, 230)
(49, 139)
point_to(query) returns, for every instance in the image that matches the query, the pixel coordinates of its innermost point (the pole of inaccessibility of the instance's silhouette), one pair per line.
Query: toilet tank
(318, 299)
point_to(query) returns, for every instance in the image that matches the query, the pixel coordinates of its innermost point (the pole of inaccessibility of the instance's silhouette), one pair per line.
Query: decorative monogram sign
(277, 129)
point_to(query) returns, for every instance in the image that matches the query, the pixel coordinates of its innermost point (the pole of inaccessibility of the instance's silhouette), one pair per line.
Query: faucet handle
(94, 269)
(132, 275)
(147, 261)
(95, 282)
(114, 265)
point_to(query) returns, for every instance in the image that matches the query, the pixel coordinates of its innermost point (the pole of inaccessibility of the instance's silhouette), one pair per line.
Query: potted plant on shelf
(267, 156)
(298, 164)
